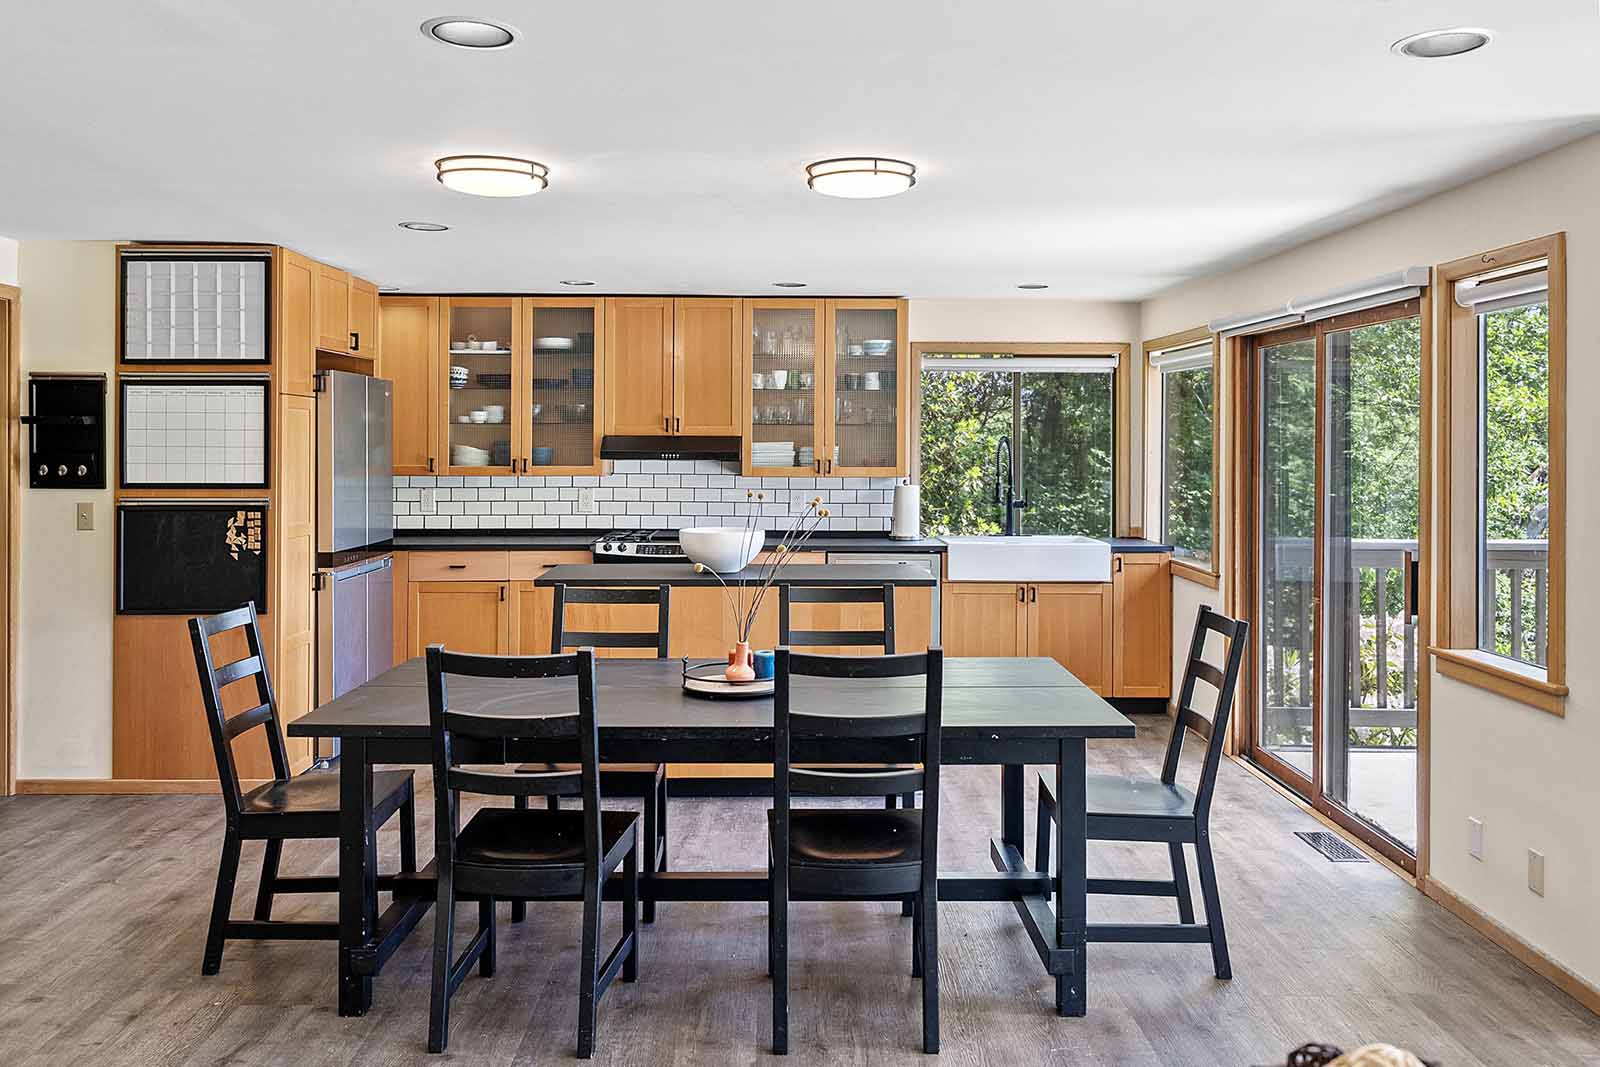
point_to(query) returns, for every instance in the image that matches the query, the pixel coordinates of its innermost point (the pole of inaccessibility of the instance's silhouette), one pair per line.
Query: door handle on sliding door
(1410, 576)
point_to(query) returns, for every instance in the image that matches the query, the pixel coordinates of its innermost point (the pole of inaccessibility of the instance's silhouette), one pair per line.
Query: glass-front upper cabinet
(788, 387)
(869, 388)
(482, 378)
(562, 397)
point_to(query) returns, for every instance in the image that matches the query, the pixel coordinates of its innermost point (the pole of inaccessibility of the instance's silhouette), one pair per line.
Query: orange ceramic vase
(741, 664)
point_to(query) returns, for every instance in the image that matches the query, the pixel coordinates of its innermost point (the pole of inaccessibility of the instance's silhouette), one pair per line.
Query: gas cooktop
(638, 546)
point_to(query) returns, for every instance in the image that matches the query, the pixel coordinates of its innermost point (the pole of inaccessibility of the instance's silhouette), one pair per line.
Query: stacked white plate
(553, 344)
(772, 453)
(469, 456)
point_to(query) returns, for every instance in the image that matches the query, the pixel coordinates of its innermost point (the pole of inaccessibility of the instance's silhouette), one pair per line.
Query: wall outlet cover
(586, 501)
(428, 501)
(1536, 871)
(1475, 838)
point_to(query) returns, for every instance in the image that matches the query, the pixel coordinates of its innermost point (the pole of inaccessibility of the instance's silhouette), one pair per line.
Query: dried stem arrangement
(744, 599)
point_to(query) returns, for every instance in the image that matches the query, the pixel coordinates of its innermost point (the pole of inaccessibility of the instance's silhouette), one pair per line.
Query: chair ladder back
(224, 728)
(873, 594)
(561, 638)
(494, 732)
(1215, 730)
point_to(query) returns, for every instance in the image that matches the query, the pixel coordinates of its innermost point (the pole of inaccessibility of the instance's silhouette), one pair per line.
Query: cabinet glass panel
(783, 387)
(481, 360)
(563, 402)
(866, 398)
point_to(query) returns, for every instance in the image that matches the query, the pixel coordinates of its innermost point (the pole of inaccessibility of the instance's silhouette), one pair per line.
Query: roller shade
(1501, 294)
(1024, 364)
(1388, 288)
(1189, 357)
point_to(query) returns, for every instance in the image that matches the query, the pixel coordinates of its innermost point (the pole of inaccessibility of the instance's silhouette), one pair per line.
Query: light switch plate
(1475, 838)
(1536, 871)
(428, 501)
(85, 514)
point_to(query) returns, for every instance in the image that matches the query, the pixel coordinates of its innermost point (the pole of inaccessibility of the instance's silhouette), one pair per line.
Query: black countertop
(606, 574)
(579, 540)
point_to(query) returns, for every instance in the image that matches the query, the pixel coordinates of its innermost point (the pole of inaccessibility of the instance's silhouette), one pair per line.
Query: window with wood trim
(1183, 384)
(1503, 473)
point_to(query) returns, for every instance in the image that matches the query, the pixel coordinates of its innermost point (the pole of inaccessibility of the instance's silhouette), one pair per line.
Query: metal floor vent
(1332, 846)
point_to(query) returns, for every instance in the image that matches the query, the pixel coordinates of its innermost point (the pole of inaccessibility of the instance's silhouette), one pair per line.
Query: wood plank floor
(103, 902)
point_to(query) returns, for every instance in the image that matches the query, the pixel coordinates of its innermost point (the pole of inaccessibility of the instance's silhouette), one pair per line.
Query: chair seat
(649, 770)
(318, 792)
(853, 836)
(505, 837)
(1114, 794)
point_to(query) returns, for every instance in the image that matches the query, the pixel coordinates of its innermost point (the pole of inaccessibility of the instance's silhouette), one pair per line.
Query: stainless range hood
(668, 447)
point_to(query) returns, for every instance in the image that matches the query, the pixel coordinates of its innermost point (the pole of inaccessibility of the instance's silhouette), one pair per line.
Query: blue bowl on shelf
(543, 457)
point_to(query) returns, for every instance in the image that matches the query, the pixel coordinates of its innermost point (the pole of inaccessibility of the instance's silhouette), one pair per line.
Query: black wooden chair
(860, 853)
(1159, 809)
(286, 807)
(883, 636)
(634, 781)
(524, 855)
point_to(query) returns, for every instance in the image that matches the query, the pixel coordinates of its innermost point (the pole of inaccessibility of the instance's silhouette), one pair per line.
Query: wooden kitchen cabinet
(1142, 653)
(638, 365)
(483, 336)
(984, 619)
(295, 325)
(566, 378)
(708, 383)
(865, 411)
(333, 309)
(410, 359)
(785, 354)
(463, 616)
(1072, 624)
(363, 319)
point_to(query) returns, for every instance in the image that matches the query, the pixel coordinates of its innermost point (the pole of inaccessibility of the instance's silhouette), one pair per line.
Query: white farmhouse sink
(1028, 559)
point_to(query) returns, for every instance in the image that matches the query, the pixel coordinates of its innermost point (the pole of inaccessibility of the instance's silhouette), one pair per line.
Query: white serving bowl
(725, 549)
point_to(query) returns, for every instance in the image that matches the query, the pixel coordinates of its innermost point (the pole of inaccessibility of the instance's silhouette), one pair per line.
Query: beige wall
(8, 261)
(64, 617)
(1530, 776)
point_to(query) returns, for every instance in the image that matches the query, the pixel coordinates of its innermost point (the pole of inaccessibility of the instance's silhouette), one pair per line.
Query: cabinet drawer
(526, 566)
(458, 566)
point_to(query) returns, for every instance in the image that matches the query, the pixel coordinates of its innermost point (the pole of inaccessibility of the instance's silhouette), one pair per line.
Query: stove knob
(625, 547)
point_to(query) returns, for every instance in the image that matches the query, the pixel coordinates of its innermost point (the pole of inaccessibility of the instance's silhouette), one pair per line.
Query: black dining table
(1008, 712)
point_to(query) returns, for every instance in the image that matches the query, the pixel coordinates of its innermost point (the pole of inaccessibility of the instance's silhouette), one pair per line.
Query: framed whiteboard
(181, 432)
(195, 308)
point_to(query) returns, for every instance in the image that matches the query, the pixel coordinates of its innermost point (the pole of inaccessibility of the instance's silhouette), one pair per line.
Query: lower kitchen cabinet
(1115, 637)
(1142, 657)
(463, 616)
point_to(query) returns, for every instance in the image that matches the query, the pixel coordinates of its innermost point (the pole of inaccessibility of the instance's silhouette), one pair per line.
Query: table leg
(1011, 805)
(358, 863)
(1072, 911)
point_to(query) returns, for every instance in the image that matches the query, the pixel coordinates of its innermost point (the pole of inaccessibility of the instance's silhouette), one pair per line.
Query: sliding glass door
(1338, 474)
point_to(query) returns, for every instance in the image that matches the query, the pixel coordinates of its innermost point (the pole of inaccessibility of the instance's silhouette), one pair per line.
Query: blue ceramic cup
(764, 661)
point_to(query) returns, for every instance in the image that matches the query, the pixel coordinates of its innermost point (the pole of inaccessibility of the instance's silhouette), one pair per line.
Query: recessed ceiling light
(1441, 44)
(424, 227)
(790, 285)
(388, 288)
(461, 31)
(492, 175)
(860, 177)
(576, 281)
(1033, 285)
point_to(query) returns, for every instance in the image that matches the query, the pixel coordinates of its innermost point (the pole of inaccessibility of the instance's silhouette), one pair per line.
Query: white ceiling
(1107, 148)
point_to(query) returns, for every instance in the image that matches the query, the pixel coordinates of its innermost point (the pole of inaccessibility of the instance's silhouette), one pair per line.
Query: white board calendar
(179, 431)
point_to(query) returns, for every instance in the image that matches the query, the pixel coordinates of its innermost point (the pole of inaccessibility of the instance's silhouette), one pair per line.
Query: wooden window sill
(1525, 685)
(1195, 573)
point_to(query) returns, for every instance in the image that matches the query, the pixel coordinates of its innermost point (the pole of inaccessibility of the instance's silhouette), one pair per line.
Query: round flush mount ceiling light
(790, 285)
(860, 177)
(576, 281)
(1033, 285)
(1441, 44)
(462, 31)
(424, 227)
(492, 175)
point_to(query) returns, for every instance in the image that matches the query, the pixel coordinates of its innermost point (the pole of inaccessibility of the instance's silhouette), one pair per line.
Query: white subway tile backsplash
(661, 494)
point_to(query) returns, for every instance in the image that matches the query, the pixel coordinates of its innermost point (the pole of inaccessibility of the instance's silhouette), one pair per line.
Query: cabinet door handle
(1022, 594)
(1033, 594)
(666, 423)
(816, 466)
(677, 425)
(828, 468)
(430, 464)
(502, 591)
(355, 341)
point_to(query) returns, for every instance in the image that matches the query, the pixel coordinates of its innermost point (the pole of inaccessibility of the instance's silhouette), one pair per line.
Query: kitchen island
(815, 575)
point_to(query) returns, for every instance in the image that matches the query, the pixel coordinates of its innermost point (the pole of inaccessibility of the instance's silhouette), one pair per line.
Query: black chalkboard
(191, 559)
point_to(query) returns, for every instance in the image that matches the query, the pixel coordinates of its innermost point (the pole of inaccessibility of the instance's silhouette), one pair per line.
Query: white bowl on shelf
(724, 549)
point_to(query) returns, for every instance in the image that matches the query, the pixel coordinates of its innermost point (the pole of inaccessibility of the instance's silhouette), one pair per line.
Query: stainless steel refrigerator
(355, 527)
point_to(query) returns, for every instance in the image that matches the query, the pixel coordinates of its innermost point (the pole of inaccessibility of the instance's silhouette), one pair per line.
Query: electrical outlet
(428, 502)
(586, 501)
(85, 515)
(1536, 871)
(1475, 838)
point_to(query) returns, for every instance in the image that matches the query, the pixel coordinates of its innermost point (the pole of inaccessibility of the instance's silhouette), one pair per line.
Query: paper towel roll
(907, 522)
